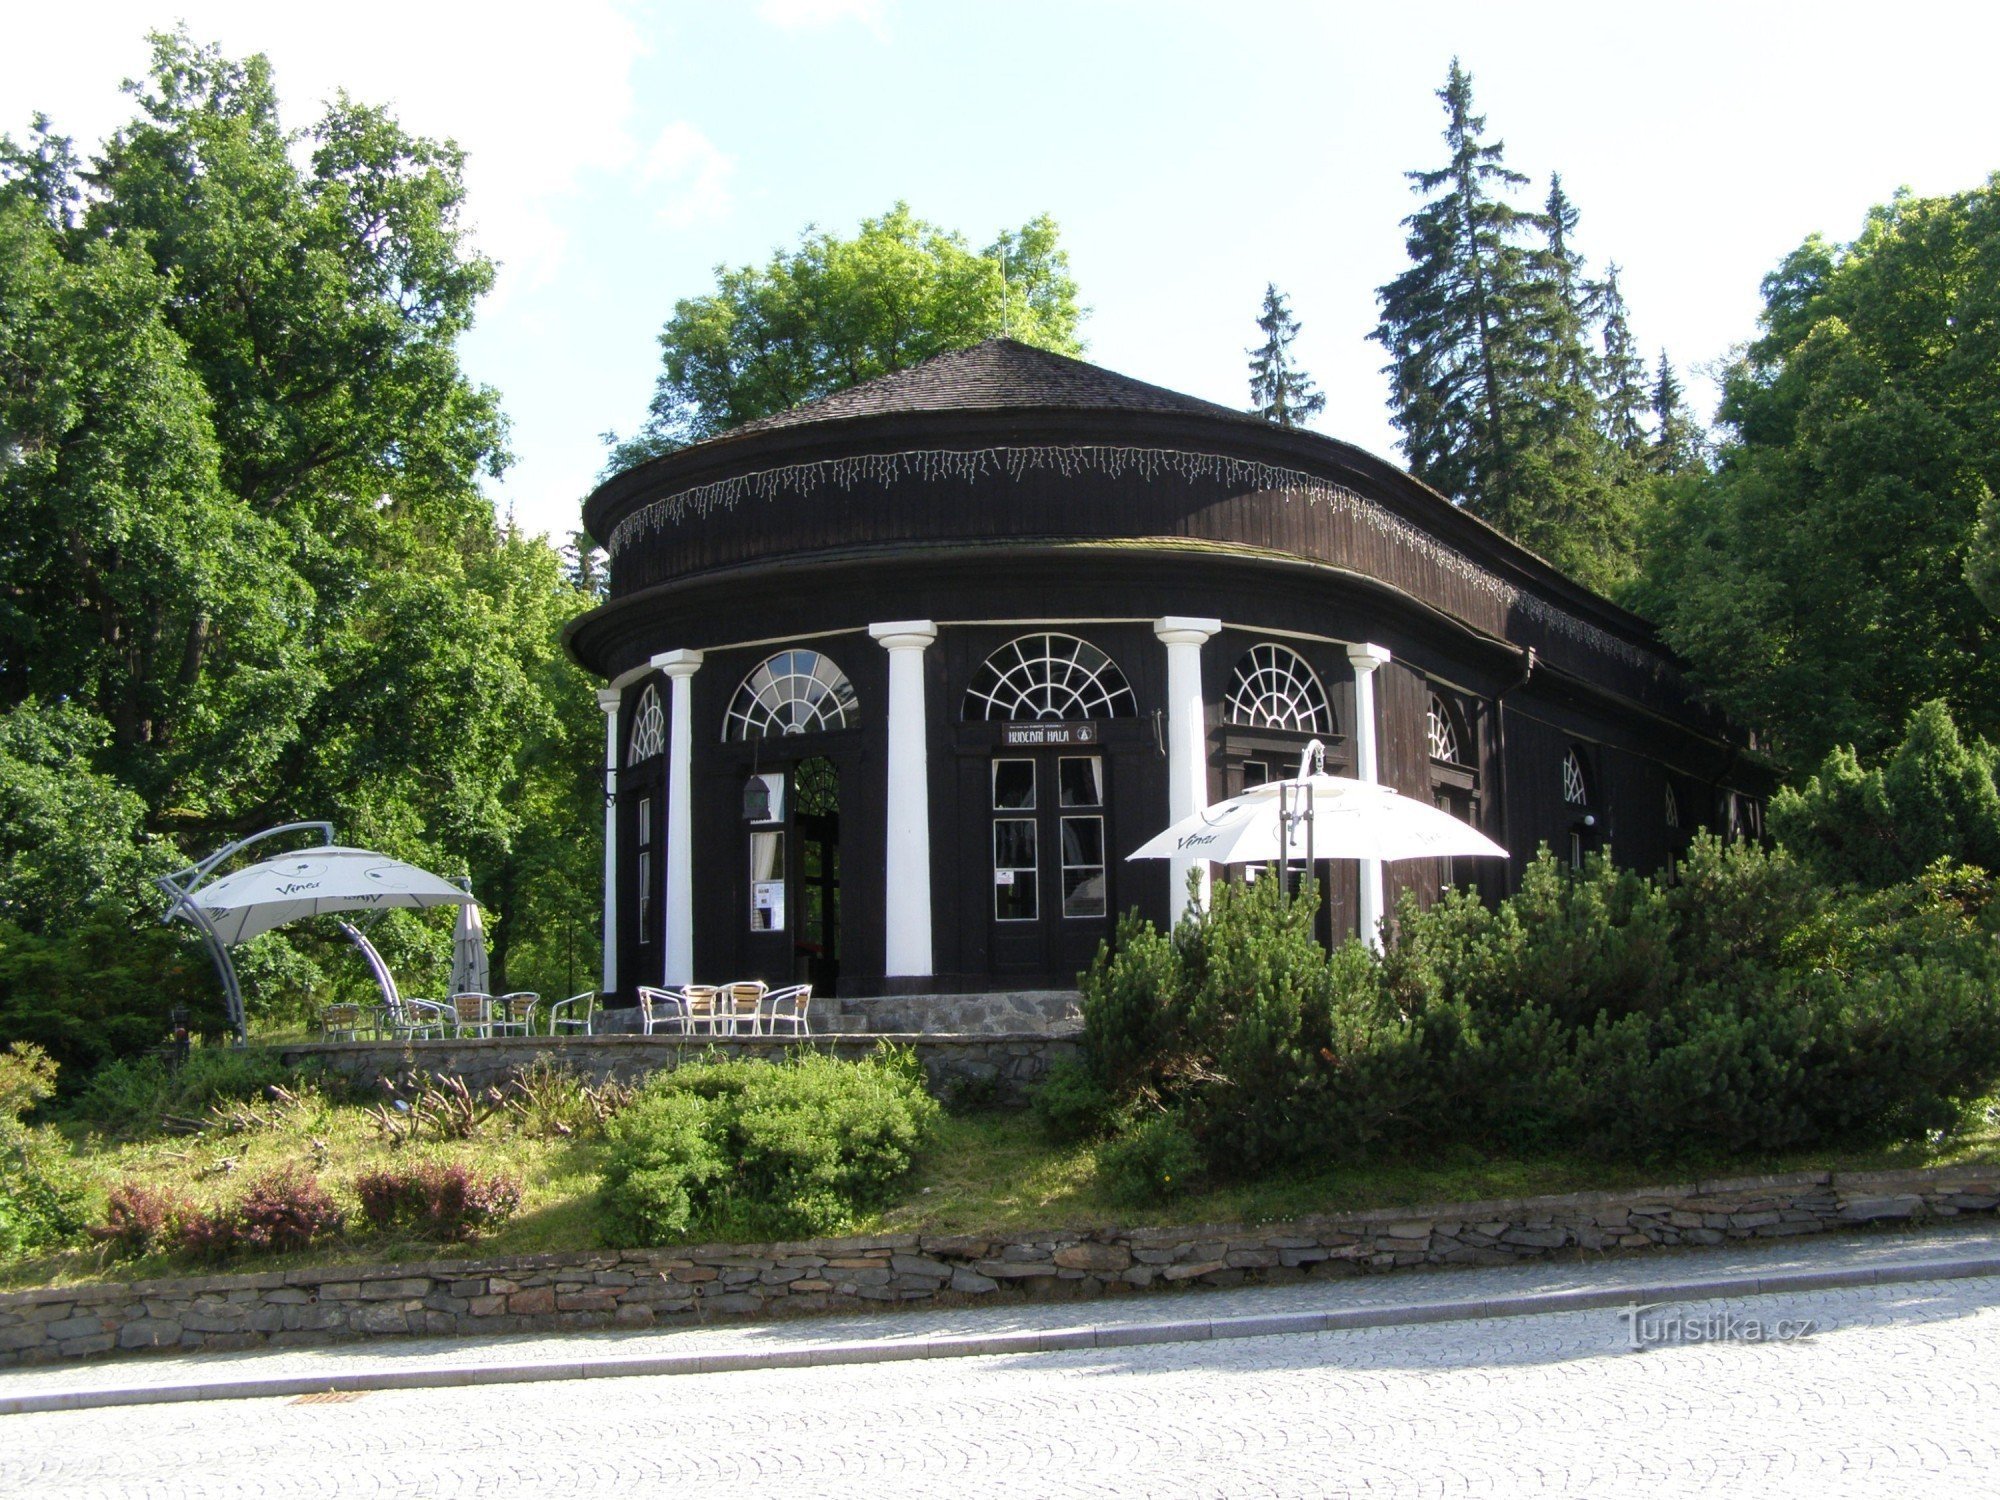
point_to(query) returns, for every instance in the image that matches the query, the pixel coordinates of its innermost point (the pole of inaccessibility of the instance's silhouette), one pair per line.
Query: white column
(1187, 743)
(1365, 660)
(678, 965)
(608, 699)
(907, 862)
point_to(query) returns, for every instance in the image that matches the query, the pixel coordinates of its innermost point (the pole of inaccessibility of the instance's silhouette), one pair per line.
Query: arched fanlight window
(1049, 677)
(1673, 808)
(1274, 689)
(794, 692)
(1576, 786)
(649, 728)
(1442, 725)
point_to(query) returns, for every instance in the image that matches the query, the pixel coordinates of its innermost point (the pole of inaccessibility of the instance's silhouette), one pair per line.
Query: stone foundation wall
(649, 1288)
(1040, 1012)
(1000, 1068)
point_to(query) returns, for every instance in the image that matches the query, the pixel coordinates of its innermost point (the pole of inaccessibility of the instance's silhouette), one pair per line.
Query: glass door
(1051, 874)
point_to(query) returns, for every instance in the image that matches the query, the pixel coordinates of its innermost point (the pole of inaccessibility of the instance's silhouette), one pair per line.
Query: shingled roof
(999, 374)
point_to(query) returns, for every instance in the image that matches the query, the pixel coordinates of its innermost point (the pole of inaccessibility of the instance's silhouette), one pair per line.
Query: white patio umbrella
(312, 883)
(468, 952)
(1350, 820)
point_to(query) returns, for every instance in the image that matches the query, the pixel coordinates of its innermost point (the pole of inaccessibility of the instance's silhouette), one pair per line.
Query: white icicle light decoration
(1069, 460)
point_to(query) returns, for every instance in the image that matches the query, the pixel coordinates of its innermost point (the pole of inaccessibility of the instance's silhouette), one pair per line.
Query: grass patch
(980, 1171)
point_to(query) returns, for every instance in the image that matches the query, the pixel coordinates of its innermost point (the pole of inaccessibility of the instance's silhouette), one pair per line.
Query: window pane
(1014, 844)
(1082, 780)
(1083, 892)
(1083, 867)
(645, 821)
(1255, 773)
(1013, 783)
(767, 881)
(1083, 841)
(1014, 870)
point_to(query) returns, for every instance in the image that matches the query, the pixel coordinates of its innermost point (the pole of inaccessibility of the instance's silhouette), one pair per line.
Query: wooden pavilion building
(898, 677)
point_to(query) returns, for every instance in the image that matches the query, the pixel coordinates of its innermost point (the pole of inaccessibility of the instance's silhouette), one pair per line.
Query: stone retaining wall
(999, 1068)
(649, 1288)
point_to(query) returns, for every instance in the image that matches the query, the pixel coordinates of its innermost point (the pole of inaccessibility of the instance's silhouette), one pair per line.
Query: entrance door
(816, 823)
(1051, 880)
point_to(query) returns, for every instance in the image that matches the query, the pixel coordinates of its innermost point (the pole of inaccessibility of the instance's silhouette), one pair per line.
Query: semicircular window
(1576, 786)
(1049, 677)
(1274, 689)
(794, 692)
(649, 728)
(1442, 725)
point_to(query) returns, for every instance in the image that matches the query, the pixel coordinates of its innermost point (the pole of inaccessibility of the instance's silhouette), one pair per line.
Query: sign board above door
(1048, 734)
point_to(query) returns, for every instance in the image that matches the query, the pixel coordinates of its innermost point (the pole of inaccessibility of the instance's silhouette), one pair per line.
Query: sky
(620, 150)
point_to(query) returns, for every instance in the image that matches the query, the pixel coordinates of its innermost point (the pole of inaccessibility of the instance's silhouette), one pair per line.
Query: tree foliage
(1495, 385)
(247, 573)
(1280, 392)
(1933, 797)
(833, 312)
(1823, 582)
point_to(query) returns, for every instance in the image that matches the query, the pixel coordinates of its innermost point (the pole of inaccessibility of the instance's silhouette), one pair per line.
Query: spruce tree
(1677, 437)
(1457, 324)
(1279, 390)
(1622, 397)
(1563, 332)
(1491, 372)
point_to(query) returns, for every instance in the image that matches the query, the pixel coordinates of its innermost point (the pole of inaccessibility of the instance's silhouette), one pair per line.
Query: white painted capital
(904, 635)
(610, 699)
(1185, 630)
(1367, 658)
(678, 664)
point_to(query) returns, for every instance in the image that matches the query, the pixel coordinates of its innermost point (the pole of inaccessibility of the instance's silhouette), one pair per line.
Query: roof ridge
(996, 373)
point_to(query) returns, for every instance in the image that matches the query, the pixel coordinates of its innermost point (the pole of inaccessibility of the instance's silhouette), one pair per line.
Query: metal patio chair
(472, 1013)
(574, 1014)
(739, 1007)
(514, 1013)
(786, 1009)
(408, 1019)
(662, 1010)
(341, 1021)
(701, 1001)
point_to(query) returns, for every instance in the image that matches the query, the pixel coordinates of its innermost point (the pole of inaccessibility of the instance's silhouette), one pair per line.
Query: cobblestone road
(1899, 1393)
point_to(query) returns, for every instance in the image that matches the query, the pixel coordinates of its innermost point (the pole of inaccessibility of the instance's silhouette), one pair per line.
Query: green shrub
(1151, 1162)
(131, 1094)
(1933, 798)
(27, 1077)
(41, 1201)
(1071, 1104)
(666, 1151)
(1746, 1007)
(761, 1149)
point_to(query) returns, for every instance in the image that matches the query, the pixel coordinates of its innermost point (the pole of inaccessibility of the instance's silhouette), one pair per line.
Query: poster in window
(767, 906)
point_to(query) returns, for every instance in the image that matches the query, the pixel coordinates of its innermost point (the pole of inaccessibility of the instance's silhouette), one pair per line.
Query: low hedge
(1742, 1007)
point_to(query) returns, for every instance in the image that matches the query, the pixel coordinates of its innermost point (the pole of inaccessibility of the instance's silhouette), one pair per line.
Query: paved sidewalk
(1411, 1297)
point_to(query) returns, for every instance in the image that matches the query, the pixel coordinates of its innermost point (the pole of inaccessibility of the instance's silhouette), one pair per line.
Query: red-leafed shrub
(139, 1218)
(449, 1202)
(283, 1211)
